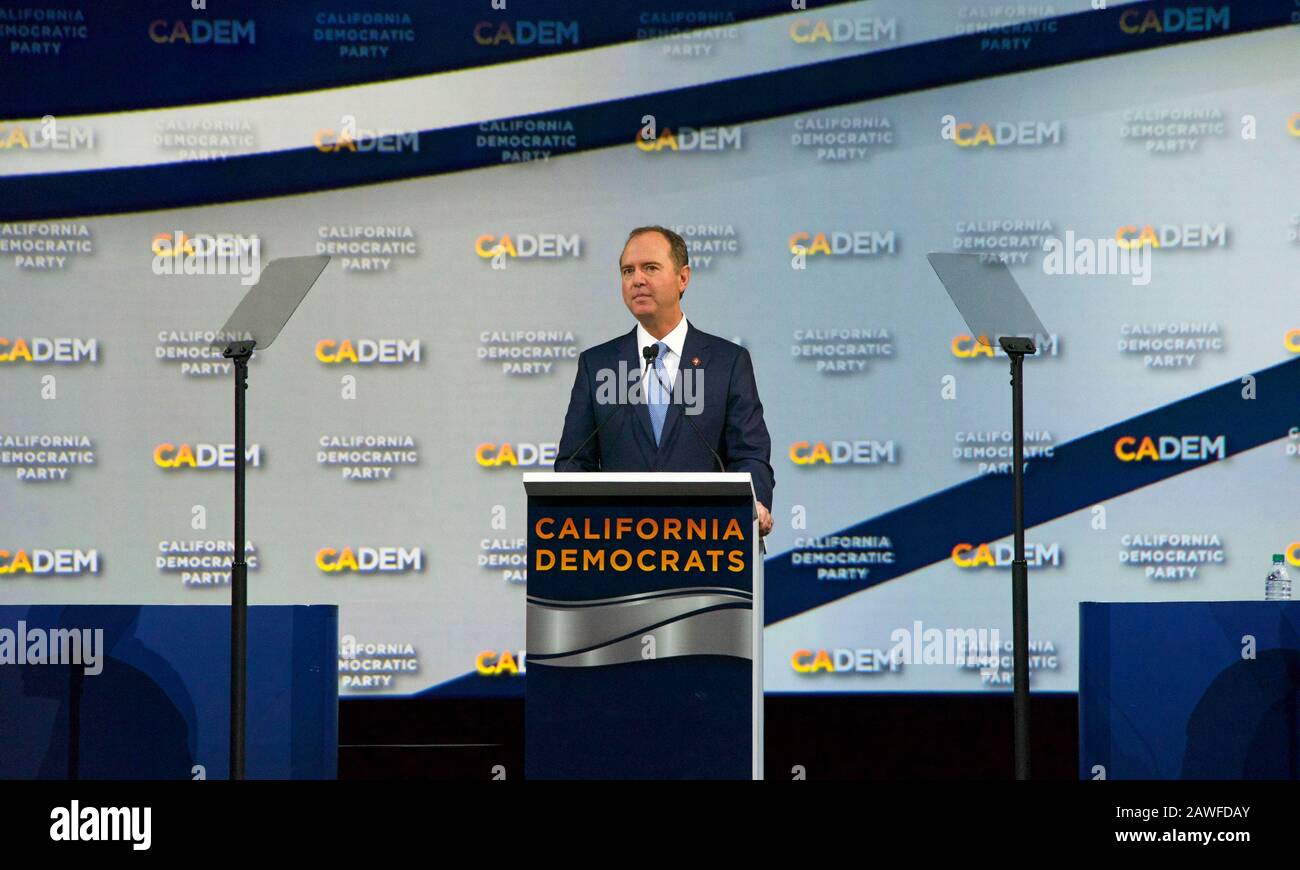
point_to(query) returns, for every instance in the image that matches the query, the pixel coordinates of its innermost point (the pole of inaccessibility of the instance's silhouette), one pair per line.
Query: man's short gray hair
(676, 244)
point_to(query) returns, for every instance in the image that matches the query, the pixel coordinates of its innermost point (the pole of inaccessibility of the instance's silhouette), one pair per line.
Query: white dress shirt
(672, 357)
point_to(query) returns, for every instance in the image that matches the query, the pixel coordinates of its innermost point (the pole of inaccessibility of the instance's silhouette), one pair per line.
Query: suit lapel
(694, 356)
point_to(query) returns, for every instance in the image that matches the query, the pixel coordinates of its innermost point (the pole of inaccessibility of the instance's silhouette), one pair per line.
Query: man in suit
(683, 373)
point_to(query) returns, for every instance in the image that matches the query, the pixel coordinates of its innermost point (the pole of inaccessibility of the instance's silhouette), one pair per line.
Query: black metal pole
(1019, 573)
(240, 354)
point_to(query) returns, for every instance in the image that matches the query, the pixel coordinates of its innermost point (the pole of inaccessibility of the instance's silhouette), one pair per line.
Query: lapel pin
(695, 361)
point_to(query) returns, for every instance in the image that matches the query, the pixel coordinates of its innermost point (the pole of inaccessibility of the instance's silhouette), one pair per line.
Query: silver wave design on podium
(607, 631)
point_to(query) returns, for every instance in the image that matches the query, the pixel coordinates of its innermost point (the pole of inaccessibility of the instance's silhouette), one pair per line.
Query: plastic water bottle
(1277, 587)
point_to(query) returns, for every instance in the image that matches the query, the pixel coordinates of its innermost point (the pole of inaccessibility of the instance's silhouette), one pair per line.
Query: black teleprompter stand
(1015, 349)
(255, 323)
(239, 352)
(993, 305)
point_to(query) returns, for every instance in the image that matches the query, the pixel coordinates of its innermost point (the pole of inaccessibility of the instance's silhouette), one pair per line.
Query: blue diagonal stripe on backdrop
(1081, 473)
(1079, 36)
(87, 76)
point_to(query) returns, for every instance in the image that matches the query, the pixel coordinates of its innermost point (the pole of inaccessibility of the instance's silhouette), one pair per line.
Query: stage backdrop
(474, 171)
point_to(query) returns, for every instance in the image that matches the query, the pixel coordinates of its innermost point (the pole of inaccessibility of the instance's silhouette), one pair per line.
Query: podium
(645, 622)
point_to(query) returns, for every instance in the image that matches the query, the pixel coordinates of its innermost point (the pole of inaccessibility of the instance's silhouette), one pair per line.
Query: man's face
(652, 285)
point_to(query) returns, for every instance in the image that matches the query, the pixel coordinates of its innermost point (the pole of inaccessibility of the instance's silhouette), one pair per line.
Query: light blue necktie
(658, 404)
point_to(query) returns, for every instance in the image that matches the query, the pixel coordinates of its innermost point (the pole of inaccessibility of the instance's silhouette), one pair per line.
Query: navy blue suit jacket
(730, 419)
